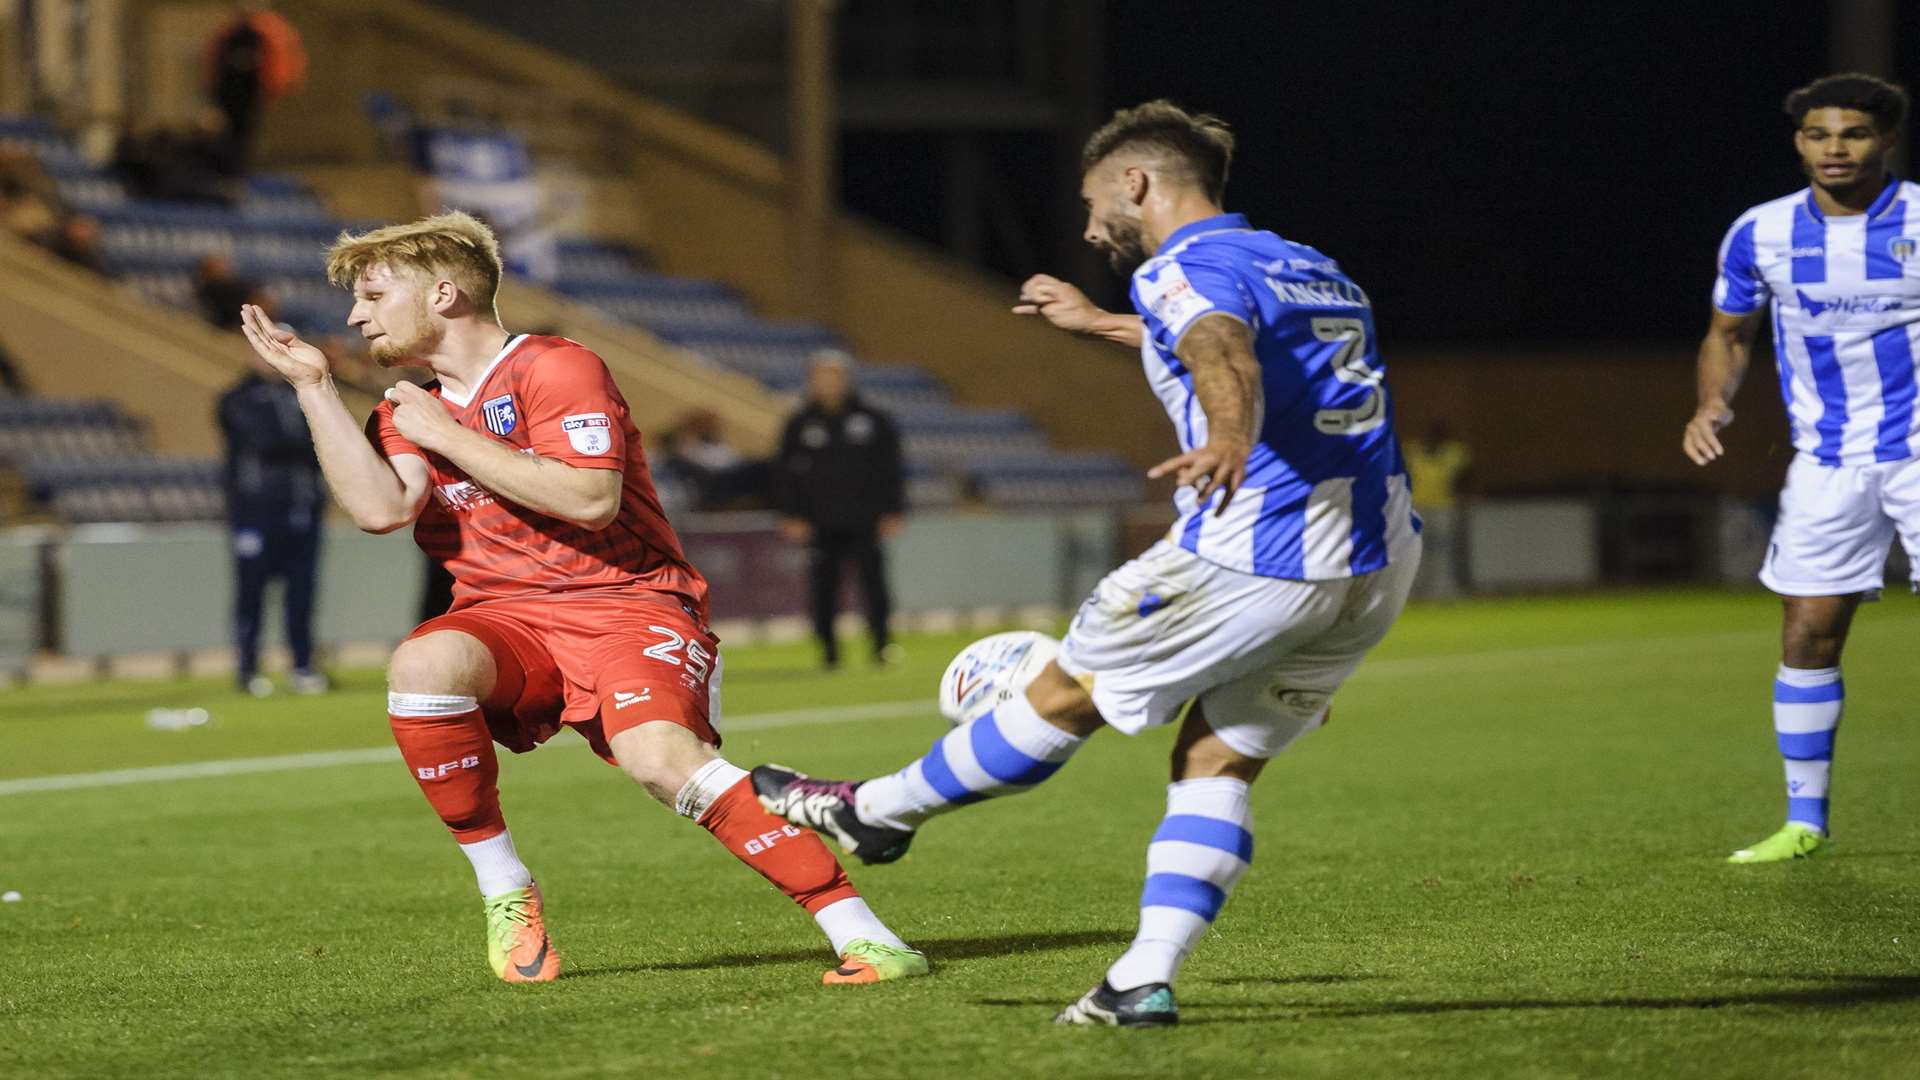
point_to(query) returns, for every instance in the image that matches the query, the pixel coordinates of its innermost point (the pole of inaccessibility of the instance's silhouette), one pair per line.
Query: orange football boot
(518, 948)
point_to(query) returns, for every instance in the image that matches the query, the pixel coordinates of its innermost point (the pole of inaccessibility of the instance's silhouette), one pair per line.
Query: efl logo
(767, 839)
(589, 433)
(471, 761)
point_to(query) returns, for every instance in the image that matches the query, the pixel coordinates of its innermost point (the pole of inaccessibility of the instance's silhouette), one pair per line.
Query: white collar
(485, 373)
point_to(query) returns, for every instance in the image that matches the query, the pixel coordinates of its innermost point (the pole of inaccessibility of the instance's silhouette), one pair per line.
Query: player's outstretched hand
(1217, 466)
(300, 363)
(1059, 303)
(1701, 440)
(420, 418)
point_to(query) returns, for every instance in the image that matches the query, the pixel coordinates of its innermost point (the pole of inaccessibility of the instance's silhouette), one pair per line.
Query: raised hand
(1059, 303)
(298, 362)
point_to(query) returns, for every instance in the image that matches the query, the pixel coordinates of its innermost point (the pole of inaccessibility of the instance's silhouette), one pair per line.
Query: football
(990, 671)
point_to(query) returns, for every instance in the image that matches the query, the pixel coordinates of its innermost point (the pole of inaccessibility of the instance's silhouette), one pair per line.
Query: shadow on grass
(1838, 991)
(1290, 980)
(941, 950)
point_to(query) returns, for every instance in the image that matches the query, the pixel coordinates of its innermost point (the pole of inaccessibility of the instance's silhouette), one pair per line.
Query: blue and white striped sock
(1806, 714)
(1002, 753)
(1202, 847)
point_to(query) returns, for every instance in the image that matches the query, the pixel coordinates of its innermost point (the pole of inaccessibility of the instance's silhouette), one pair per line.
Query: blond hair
(455, 246)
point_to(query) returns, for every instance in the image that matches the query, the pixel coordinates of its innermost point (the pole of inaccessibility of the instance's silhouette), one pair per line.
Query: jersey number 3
(1350, 366)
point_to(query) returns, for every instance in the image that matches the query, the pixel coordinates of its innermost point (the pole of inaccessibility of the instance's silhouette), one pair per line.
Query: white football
(990, 671)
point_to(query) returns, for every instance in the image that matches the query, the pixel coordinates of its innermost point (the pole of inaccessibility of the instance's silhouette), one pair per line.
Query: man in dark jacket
(842, 490)
(274, 503)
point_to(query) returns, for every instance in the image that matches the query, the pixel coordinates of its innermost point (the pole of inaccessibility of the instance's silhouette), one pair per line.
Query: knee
(444, 662)
(1211, 758)
(660, 756)
(1811, 640)
(1063, 702)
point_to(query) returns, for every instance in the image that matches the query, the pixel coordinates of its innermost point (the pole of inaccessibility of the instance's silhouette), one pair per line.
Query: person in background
(77, 240)
(274, 506)
(30, 204)
(222, 292)
(254, 59)
(1437, 467)
(841, 489)
(722, 477)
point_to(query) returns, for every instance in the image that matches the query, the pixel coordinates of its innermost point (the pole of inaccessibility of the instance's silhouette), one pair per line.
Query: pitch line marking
(1391, 668)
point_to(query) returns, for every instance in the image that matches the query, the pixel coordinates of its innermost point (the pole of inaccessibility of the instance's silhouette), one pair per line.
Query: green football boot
(518, 948)
(1793, 841)
(871, 962)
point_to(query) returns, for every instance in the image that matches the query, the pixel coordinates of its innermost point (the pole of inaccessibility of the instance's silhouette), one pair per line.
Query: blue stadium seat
(277, 235)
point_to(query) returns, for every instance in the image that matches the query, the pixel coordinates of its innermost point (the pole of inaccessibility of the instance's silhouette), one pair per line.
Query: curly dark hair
(1884, 101)
(1200, 145)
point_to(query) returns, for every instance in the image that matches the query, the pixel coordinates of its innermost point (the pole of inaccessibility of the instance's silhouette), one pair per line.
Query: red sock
(451, 757)
(793, 859)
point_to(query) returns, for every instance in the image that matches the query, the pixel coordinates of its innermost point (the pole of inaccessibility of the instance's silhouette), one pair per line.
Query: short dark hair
(1201, 144)
(1884, 101)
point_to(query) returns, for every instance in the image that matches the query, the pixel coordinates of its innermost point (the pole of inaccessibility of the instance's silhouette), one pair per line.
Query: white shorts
(1262, 655)
(1836, 524)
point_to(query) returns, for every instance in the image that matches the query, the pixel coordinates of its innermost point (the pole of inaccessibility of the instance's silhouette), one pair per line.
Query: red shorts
(598, 660)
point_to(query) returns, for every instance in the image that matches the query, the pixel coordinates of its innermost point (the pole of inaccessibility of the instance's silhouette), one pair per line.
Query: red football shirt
(555, 398)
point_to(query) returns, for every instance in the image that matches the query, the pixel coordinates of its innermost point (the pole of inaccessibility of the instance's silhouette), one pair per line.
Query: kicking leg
(1808, 696)
(435, 684)
(681, 771)
(1004, 752)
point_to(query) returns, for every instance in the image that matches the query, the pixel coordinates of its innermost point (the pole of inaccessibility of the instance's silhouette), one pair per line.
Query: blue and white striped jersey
(1846, 311)
(1326, 493)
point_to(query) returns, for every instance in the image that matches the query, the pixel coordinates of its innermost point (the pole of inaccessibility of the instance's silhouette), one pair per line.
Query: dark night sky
(1485, 177)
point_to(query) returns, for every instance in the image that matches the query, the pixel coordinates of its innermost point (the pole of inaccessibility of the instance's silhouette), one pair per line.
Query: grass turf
(1501, 859)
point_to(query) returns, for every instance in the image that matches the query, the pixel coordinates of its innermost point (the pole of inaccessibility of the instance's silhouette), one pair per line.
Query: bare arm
(586, 497)
(1069, 309)
(380, 495)
(1722, 364)
(1218, 351)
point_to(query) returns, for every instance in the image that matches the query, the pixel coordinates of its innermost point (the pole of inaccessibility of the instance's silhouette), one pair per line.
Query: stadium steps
(276, 232)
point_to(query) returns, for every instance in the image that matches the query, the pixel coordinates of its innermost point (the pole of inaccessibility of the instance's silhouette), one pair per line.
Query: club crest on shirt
(590, 433)
(500, 414)
(1902, 248)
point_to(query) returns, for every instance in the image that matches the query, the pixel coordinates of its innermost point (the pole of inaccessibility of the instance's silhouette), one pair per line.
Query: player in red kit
(521, 470)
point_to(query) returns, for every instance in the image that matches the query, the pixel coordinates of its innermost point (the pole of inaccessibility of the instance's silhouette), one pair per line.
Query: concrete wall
(123, 589)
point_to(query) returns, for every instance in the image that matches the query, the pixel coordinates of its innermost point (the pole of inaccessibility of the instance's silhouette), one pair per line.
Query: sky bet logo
(1848, 305)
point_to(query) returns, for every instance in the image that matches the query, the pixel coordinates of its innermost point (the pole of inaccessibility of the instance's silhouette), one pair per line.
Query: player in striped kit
(1292, 556)
(1838, 266)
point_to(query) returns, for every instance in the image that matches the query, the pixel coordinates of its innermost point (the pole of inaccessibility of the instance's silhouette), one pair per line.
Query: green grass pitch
(1501, 859)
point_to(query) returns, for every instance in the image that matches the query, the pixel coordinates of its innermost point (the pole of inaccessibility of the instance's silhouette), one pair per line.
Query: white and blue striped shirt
(1326, 491)
(1846, 316)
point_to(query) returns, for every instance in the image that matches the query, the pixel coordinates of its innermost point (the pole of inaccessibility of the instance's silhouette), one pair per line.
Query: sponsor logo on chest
(1848, 305)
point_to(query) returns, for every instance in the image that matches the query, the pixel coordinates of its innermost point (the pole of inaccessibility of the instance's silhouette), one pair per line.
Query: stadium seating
(274, 234)
(85, 461)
